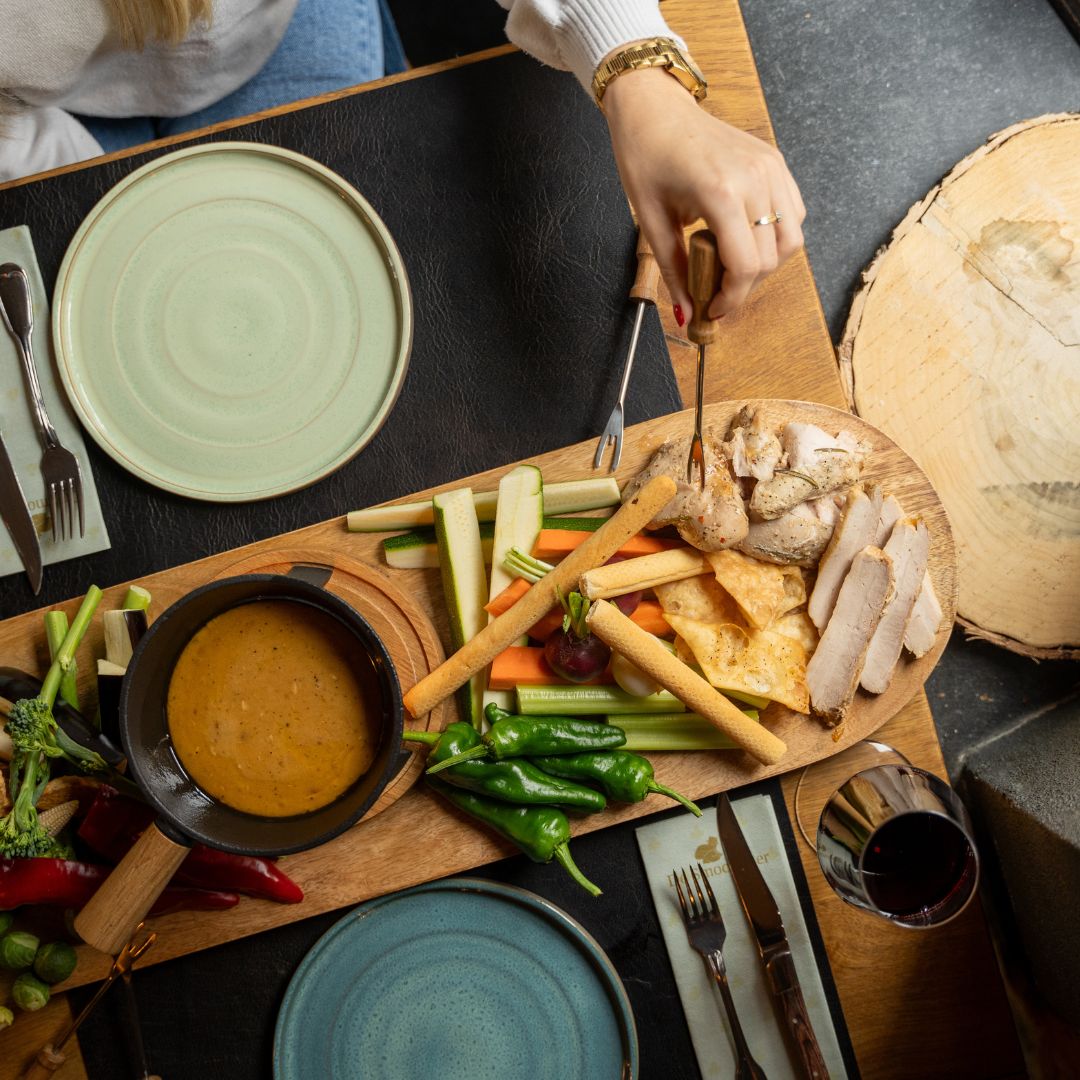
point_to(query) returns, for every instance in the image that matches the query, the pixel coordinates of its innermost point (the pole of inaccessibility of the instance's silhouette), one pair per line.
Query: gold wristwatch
(656, 52)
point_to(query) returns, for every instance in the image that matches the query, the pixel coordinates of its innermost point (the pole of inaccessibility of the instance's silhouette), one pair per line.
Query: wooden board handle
(704, 281)
(109, 918)
(647, 279)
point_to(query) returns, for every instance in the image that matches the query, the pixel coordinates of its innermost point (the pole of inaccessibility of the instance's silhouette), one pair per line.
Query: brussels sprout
(17, 950)
(6, 919)
(7, 1017)
(29, 992)
(54, 962)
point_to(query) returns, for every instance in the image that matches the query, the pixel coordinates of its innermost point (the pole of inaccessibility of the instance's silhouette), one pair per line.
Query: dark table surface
(497, 182)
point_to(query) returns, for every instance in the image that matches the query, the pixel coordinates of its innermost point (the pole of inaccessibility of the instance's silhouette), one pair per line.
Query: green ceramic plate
(462, 979)
(232, 322)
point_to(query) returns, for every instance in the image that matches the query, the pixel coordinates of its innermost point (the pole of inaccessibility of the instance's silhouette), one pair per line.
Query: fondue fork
(50, 1057)
(704, 279)
(644, 292)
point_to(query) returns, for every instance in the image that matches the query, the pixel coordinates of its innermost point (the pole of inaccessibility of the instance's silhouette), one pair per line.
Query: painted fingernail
(680, 318)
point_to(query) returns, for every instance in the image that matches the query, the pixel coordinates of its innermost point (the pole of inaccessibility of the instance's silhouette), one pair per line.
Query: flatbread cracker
(759, 662)
(763, 591)
(698, 598)
(800, 627)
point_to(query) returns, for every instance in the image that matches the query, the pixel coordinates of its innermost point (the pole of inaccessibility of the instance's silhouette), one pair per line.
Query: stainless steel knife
(16, 516)
(764, 918)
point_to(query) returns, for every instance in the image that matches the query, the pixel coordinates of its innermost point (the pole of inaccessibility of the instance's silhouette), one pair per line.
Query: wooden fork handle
(647, 279)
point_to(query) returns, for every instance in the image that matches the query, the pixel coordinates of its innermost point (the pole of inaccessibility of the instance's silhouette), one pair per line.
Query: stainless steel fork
(706, 931)
(59, 466)
(644, 292)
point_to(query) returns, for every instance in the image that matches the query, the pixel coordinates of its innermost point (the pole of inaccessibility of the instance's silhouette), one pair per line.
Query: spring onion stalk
(525, 566)
(56, 628)
(136, 599)
(673, 731)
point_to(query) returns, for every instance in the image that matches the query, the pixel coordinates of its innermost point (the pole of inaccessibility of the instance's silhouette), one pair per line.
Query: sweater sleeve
(35, 139)
(575, 35)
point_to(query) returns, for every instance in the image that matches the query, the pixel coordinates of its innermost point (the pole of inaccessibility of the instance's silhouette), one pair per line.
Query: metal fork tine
(53, 510)
(699, 893)
(69, 492)
(679, 891)
(79, 500)
(714, 907)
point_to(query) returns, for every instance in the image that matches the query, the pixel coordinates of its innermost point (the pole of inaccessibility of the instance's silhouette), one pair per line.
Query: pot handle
(122, 900)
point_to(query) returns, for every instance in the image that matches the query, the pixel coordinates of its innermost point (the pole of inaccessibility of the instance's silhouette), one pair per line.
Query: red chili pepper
(114, 822)
(66, 883)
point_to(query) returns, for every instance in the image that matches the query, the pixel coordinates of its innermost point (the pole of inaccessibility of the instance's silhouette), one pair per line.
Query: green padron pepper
(542, 832)
(513, 781)
(621, 775)
(529, 736)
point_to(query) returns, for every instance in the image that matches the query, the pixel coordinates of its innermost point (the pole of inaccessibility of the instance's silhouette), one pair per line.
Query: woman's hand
(679, 164)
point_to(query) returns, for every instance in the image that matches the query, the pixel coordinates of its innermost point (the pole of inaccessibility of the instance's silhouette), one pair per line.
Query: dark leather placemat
(497, 181)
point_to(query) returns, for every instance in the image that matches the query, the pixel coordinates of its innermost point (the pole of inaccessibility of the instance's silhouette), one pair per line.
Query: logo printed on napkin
(684, 841)
(17, 424)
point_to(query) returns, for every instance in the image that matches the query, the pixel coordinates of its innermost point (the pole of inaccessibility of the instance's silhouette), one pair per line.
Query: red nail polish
(680, 318)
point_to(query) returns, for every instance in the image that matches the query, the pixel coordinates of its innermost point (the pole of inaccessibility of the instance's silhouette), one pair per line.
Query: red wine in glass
(914, 864)
(897, 841)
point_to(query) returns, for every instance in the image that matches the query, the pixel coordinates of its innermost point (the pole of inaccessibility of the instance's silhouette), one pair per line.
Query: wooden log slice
(963, 345)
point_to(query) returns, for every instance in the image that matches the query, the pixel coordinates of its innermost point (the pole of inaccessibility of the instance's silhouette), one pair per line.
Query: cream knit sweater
(62, 56)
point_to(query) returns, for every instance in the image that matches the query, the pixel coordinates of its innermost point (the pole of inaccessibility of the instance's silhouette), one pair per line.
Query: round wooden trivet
(405, 630)
(963, 344)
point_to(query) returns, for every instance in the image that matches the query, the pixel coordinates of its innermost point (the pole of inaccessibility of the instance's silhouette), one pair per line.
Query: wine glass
(892, 839)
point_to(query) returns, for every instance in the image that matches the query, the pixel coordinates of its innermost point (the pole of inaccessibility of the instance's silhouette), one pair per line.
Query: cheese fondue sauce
(273, 708)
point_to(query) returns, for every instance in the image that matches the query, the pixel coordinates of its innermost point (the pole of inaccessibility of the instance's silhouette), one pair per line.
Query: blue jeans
(328, 45)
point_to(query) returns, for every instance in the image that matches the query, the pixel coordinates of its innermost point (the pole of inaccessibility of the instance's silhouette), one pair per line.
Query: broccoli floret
(32, 727)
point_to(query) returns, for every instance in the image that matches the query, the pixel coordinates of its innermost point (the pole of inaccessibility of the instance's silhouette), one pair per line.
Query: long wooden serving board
(415, 837)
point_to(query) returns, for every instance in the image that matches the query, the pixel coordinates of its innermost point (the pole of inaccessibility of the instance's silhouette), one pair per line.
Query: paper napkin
(17, 424)
(684, 841)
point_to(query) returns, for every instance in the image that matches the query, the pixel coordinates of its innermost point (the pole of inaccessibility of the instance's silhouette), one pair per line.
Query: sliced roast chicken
(909, 548)
(816, 465)
(925, 620)
(798, 536)
(832, 675)
(709, 519)
(752, 446)
(856, 529)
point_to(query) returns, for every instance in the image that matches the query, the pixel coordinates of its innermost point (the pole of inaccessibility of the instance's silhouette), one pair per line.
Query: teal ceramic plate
(460, 979)
(232, 322)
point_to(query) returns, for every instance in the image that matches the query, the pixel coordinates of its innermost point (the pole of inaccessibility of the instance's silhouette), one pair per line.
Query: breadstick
(643, 572)
(627, 521)
(643, 650)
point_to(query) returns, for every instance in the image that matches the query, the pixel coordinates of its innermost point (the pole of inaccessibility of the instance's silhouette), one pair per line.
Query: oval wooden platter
(416, 837)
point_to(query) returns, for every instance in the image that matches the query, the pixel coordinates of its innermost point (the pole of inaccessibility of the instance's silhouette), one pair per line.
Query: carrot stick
(628, 520)
(648, 615)
(558, 543)
(524, 665)
(505, 600)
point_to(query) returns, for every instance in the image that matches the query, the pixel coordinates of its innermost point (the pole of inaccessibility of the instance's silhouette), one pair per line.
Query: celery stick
(590, 701)
(673, 731)
(136, 599)
(56, 628)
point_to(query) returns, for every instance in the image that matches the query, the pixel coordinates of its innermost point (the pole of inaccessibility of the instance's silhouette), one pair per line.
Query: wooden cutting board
(385, 852)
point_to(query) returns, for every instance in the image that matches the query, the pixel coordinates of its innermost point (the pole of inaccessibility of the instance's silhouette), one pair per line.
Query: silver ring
(771, 219)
